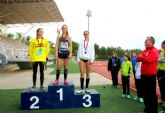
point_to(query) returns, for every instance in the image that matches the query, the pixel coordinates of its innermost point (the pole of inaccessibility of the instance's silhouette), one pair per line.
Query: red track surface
(100, 67)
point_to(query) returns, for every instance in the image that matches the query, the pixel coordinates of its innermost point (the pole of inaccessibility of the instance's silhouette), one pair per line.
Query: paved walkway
(18, 79)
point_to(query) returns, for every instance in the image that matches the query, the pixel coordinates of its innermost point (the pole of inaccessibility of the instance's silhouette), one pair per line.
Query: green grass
(73, 67)
(111, 102)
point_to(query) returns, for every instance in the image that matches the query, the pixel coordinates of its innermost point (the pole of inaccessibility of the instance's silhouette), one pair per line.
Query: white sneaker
(123, 95)
(87, 91)
(80, 91)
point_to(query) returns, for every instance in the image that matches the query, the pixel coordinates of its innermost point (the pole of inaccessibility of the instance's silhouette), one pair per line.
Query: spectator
(114, 67)
(138, 83)
(122, 59)
(126, 72)
(137, 76)
(161, 75)
(149, 59)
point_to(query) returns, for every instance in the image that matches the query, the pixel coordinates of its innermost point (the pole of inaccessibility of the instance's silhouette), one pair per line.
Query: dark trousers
(149, 93)
(138, 85)
(114, 74)
(126, 84)
(35, 67)
(161, 80)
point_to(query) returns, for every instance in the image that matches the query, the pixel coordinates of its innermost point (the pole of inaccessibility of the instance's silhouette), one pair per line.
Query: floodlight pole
(89, 14)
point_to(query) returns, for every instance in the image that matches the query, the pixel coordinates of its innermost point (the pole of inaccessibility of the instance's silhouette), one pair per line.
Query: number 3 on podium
(87, 98)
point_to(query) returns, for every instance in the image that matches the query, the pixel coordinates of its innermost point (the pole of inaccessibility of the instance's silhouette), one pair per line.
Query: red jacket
(149, 59)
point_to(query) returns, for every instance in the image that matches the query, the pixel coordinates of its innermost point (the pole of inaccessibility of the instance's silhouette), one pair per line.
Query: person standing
(126, 72)
(38, 52)
(114, 67)
(122, 59)
(63, 51)
(137, 77)
(149, 59)
(139, 96)
(161, 74)
(85, 58)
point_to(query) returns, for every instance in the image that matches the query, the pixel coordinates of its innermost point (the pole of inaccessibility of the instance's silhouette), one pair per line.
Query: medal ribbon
(85, 46)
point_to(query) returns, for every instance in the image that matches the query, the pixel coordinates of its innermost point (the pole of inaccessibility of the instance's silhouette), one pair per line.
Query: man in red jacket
(149, 59)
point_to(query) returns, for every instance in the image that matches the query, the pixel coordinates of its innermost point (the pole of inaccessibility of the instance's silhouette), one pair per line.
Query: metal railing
(15, 55)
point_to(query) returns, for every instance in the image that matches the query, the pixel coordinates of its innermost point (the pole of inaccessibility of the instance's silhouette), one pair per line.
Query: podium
(58, 96)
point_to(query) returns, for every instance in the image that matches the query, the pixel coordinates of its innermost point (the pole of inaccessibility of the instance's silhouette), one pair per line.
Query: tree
(10, 35)
(96, 46)
(75, 48)
(19, 36)
(103, 52)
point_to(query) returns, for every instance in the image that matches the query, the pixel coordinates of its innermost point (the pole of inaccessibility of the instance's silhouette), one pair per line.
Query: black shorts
(85, 61)
(63, 55)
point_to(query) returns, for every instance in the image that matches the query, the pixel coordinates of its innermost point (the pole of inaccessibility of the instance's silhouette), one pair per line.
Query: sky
(117, 23)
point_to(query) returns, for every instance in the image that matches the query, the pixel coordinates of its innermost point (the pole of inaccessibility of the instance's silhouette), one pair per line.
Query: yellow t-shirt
(39, 49)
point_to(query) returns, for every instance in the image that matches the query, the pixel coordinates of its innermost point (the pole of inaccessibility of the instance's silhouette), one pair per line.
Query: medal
(40, 44)
(85, 47)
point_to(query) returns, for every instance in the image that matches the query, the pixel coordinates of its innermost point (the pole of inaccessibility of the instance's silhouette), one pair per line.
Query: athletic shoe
(161, 112)
(123, 95)
(160, 102)
(80, 91)
(33, 89)
(135, 98)
(55, 82)
(141, 100)
(65, 82)
(128, 96)
(42, 89)
(87, 91)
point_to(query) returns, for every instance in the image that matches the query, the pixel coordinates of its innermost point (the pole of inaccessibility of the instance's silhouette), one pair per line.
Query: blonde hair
(67, 33)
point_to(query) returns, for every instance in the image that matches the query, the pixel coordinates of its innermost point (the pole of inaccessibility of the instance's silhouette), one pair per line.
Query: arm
(47, 48)
(131, 69)
(161, 60)
(56, 47)
(109, 65)
(78, 53)
(93, 53)
(152, 57)
(70, 46)
(118, 64)
(30, 50)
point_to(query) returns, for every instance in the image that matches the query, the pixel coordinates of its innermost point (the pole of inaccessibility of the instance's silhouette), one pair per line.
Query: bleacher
(14, 51)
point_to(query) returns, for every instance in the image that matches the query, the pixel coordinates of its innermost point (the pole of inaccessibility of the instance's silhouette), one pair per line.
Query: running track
(100, 67)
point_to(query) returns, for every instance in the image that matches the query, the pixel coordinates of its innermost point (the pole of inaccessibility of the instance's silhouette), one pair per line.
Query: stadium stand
(14, 51)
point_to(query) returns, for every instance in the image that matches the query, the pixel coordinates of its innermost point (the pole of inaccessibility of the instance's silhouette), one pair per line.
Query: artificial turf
(110, 98)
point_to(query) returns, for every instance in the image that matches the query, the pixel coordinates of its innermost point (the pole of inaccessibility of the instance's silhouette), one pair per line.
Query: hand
(140, 55)
(56, 56)
(114, 65)
(91, 62)
(70, 56)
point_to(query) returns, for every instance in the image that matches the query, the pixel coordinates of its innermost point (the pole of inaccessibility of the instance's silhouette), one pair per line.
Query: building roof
(29, 11)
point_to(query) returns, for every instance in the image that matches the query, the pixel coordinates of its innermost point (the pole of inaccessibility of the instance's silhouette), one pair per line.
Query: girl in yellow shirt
(38, 51)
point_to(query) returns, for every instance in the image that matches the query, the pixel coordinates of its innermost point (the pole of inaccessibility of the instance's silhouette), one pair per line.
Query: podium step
(58, 96)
